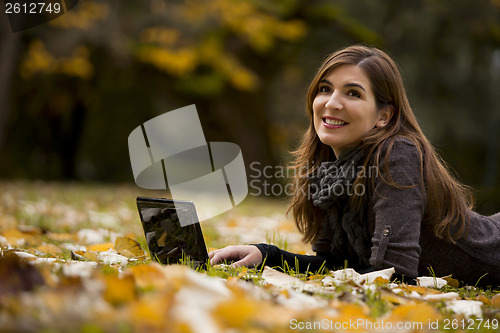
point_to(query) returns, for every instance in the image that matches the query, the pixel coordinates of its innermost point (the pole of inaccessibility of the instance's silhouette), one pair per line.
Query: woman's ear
(384, 116)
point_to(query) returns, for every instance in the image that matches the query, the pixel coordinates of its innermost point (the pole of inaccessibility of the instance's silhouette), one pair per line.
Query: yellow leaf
(150, 314)
(236, 312)
(100, 247)
(148, 276)
(119, 290)
(452, 282)
(91, 255)
(380, 280)
(351, 312)
(129, 248)
(414, 312)
(50, 249)
(393, 298)
(15, 237)
(62, 237)
(495, 301)
(484, 299)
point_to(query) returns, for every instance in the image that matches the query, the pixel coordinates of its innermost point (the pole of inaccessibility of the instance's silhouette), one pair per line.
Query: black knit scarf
(333, 185)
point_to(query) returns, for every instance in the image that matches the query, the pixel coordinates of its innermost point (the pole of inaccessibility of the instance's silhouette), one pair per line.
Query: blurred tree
(84, 81)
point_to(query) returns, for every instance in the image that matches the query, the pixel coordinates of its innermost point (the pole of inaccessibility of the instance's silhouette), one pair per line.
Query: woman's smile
(333, 122)
(344, 108)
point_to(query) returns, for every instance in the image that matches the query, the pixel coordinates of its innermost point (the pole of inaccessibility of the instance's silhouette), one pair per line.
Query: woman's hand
(246, 255)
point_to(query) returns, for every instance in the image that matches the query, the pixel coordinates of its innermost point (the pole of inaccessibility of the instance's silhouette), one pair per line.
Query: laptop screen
(168, 241)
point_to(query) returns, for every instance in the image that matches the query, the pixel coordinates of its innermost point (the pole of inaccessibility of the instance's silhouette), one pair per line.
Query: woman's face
(345, 109)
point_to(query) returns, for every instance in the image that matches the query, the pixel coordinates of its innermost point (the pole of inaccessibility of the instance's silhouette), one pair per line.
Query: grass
(65, 209)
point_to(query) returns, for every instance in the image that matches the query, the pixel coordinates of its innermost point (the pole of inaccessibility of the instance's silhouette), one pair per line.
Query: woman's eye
(324, 89)
(353, 93)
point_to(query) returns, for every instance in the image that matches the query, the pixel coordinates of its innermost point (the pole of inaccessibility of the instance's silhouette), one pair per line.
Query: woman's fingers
(247, 255)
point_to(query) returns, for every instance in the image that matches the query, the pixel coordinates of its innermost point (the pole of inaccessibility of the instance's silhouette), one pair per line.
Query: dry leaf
(431, 282)
(466, 307)
(484, 299)
(119, 290)
(100, 247)
(393, 298)
(278, 279)
(91, 255)
(149, 276)
(495, 301)
(110, 257)
(452, 282)
(236, 312)
(414, 312)
(442, 297)
(65, 237)
(50, 249)
(129, 248)
(17, 275)
(151, 313)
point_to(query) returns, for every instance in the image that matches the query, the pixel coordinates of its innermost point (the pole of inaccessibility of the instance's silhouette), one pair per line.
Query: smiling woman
(345, 108)
(412, 215)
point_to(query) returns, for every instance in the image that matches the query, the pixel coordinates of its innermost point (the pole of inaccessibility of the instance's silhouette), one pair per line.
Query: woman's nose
(334, 102)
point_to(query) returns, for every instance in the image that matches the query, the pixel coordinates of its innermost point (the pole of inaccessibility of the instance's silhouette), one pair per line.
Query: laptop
(172, 231)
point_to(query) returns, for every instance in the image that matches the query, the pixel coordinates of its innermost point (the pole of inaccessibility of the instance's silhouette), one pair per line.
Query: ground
(73, 259)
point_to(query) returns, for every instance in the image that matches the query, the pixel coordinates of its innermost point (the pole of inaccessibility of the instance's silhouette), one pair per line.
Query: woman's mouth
(329, 122)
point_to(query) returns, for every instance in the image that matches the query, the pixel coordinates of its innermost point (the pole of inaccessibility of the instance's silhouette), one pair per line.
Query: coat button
(386, 232)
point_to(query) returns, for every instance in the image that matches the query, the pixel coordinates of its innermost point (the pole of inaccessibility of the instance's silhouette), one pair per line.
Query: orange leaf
(100, 247)
(119, 290)
(151, 314)
(414, 312)
(148, 276)
(236, 312)
(484, 299)
(62, 237)
(495, 301)
(129, 248)
(50, 249)
(91, 255)
(452, 282)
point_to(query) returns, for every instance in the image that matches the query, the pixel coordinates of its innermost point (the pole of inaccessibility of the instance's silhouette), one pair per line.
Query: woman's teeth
(334, 122)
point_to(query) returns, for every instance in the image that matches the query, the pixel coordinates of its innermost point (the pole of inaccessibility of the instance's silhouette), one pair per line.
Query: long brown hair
(448, 200)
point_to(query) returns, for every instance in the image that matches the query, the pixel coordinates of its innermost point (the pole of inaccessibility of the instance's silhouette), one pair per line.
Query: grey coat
(403, 240)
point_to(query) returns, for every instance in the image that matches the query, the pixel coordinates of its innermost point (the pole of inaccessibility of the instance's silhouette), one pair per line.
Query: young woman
(376, 194)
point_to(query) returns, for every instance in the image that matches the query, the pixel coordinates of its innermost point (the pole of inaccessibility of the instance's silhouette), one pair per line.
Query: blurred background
(73, 89)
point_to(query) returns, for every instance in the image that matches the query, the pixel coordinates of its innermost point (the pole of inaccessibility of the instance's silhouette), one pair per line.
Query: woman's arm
(277, 258)
(270, 255)
(399, 212)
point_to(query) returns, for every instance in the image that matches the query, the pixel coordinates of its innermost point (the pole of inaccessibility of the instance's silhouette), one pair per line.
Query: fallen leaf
(279, 279)
(129, 248)
(484, 299)
(441, 297)
(17, 275)
(236, 312)
(151, 313)
(100, 247)
(467, 308)
(119, 290)
(431, 282)
(91, 255)
(452, 282)
(495, 301)
(414, 312)
(393, 298)
(81, 269)
(61, 237)
(110, 257)
(50, 249)
(148, 276)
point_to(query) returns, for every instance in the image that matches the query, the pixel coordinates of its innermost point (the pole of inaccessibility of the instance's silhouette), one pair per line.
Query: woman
(376, 194)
